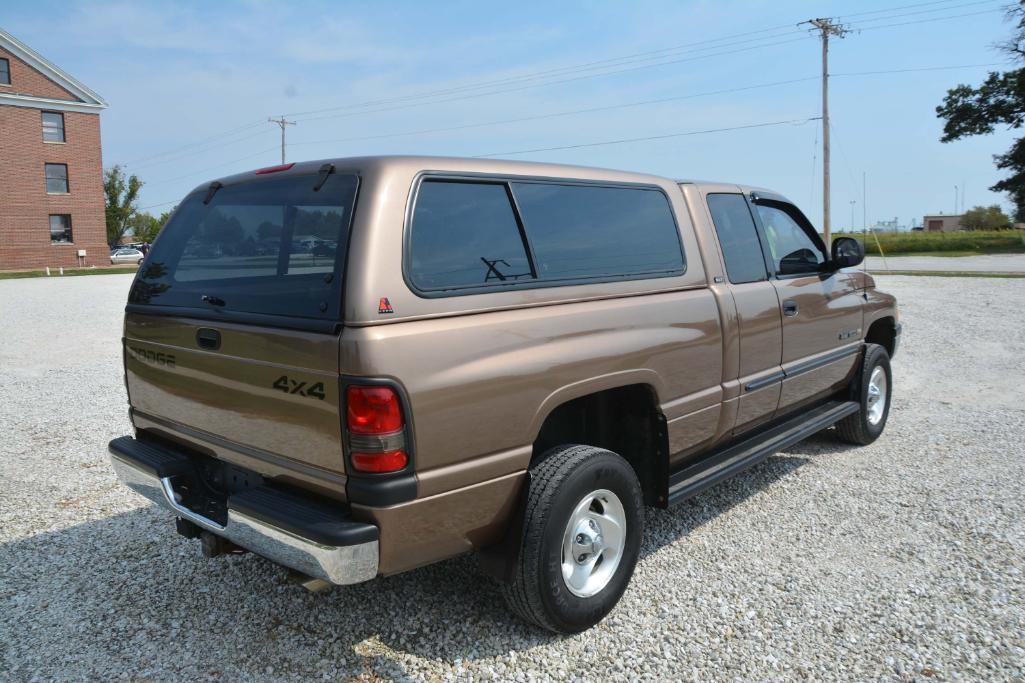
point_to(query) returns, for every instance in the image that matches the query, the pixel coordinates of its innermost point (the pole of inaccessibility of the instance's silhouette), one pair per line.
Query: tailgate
(239, 400)
(232, 324)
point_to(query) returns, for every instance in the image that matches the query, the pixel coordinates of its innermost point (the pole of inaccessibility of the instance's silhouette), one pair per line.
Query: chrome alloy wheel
(593, 543)
(876, 395)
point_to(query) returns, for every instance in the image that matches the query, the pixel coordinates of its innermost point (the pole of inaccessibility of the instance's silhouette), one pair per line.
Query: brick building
(51, 170)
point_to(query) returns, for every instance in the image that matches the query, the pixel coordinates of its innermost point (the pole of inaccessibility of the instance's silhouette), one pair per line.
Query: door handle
(790, 308)
(208, 339)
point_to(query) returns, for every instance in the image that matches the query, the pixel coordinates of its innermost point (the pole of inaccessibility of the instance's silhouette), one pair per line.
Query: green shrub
(986, 242)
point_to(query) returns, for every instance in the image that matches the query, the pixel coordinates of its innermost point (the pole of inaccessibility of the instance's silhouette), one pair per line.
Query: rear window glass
(738, 237)
(270, 246)
(581, 231)
(465, 234)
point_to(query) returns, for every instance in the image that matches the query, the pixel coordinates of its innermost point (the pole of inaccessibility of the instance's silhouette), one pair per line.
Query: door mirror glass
(847, 252)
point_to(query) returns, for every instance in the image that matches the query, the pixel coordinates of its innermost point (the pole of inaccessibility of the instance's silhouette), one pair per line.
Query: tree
(120, 194)
(144, 226)
(1000, 100)
(985, 218)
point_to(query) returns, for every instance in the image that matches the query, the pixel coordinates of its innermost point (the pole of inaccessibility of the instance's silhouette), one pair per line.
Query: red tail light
(375, 423)
(390, 461)
(373, 410)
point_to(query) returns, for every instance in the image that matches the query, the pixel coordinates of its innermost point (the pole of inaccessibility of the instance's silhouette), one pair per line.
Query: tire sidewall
(603, 471)
(875, 356)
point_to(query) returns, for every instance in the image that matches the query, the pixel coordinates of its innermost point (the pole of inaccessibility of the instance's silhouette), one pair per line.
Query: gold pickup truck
(356, 367)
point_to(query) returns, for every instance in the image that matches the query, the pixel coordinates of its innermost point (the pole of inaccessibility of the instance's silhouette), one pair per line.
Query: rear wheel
(582, 534)
(875, 388)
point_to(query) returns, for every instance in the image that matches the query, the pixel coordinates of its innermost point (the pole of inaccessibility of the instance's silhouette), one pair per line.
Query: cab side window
(738, 237)
(792, 249)
(465, 234)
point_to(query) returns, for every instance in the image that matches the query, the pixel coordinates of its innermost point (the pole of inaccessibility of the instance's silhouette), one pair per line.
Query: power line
(560, 71)
(756, 86)
(187, 154)
(612, 62)
(925, 11)
(177, 149)
(896, 9)
(607, 63)
(558, 82)
(180, 150)
(165, 181)
(1001, 9)
(577, 146)
(155, 206)
(915, 69)
(649, 138)
(638, 103)
(551, 115)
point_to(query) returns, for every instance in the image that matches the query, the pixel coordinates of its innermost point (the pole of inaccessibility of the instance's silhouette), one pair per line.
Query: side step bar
(717, 466)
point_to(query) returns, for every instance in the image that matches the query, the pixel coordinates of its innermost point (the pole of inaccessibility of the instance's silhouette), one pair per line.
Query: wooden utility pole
(826, 28)
(282, 123)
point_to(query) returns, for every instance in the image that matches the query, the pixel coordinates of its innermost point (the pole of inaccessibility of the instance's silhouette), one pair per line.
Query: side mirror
(847, 252)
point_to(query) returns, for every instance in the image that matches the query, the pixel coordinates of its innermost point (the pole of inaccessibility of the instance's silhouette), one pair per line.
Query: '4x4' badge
(294, 386)
(384, 306)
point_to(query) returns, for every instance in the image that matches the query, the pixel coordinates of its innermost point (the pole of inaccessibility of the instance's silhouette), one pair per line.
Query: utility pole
(864, 201)
(826, 28)
(282, 123)
(853, 202)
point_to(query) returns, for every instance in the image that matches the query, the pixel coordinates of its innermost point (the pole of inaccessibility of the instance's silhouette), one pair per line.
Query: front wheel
(875, 386)
(582, 535)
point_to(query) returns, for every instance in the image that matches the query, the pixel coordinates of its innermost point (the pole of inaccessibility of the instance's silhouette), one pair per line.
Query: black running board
(736, 458)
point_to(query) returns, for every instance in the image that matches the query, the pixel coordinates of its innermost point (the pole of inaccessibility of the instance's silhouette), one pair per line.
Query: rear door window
(465, 234)
(738, 237)
(269, 246)
(588, 231)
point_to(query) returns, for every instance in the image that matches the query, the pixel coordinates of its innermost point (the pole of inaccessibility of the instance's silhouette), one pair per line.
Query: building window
(60, 228)
(5, 72)
(53, 126)
(57, 178)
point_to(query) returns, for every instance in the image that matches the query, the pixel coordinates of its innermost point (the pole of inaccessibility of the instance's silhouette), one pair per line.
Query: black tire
(563, 477)
(858, 428)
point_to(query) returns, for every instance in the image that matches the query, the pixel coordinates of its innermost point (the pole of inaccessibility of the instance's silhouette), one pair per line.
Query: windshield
(271, 246)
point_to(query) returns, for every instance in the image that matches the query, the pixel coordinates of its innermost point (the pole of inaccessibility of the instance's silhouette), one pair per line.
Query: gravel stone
(902, 560)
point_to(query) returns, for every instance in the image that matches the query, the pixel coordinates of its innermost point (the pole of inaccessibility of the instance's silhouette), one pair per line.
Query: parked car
(126, 255)
(521, 357)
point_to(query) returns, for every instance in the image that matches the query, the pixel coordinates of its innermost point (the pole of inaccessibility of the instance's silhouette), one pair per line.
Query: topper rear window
(271, 246)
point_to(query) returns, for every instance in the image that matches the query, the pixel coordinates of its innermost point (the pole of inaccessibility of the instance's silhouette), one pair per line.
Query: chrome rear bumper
(151, 472)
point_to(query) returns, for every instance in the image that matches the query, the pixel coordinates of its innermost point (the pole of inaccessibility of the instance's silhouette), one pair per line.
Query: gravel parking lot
(901, 560)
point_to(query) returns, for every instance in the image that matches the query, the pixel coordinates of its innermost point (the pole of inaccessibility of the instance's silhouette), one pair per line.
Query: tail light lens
(389, 461)
(375, 412)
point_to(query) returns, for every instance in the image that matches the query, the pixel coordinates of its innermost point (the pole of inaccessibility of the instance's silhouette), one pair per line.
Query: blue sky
(190, 86)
